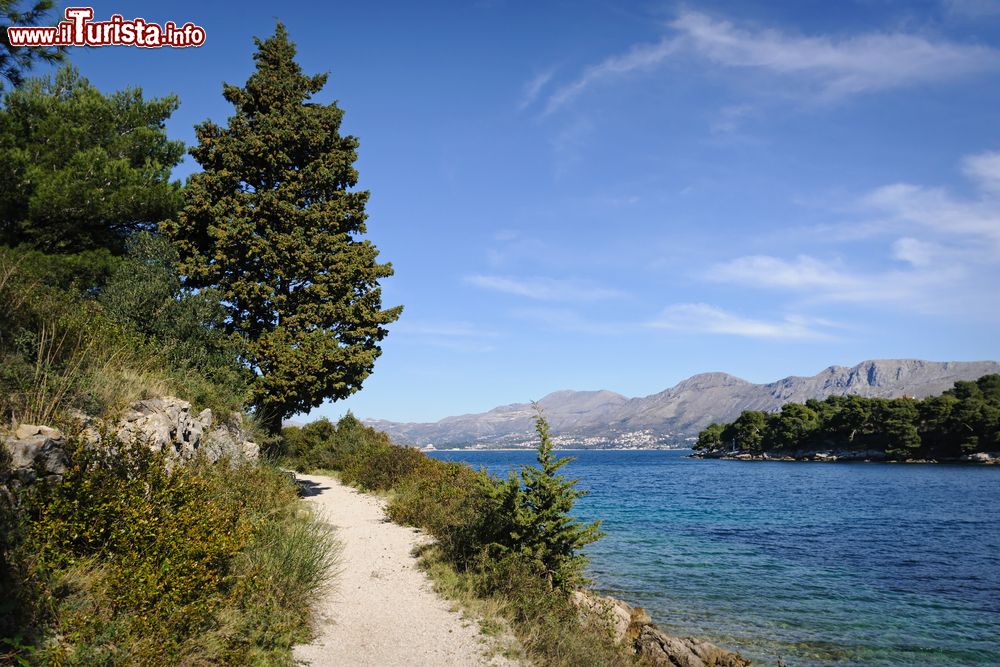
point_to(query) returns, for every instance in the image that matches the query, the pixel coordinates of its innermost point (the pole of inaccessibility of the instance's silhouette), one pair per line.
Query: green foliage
(274, 224)
(963, 420)
(540, 532)
(82, 170)
(747, 432)
(710, 438)
(794, 424)
(144, 294)
(319, 445)
(125, 562)
(16, 60)
(60, 349)
(511, 544)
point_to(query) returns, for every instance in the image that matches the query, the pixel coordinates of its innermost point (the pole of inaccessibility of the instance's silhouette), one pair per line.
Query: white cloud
(833, 66)
(704, 318)
(949, 247)
(450, 335)
(730, 118)
(545, 289)
(916, 252)
(937, 211)
(804, 272)
(854, 64)
(923, 286)
(984, 170)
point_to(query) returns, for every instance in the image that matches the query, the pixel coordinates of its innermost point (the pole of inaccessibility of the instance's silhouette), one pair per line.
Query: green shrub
(347, 446)
(127, 562)
(453, 503)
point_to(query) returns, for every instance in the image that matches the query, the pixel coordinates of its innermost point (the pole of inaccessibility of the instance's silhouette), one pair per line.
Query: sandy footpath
(380, 609)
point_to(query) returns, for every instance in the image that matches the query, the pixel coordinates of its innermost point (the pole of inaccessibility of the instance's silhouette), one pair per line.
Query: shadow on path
(308, 488)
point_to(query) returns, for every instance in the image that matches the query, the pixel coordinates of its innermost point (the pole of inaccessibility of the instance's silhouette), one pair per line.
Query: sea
(803, 563)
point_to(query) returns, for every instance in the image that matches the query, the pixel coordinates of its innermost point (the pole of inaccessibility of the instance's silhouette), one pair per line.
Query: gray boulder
(36, 449)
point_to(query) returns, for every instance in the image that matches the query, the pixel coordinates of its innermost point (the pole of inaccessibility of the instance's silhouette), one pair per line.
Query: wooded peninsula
(962, 424)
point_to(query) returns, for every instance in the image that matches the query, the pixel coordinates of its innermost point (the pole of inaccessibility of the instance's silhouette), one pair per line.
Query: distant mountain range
(673, 417)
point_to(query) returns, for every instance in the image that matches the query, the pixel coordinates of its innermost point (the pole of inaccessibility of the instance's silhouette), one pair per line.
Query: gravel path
(381, 609)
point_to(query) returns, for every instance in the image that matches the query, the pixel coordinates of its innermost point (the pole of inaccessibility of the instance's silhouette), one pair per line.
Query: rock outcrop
(168, 425)
(632, 627)
(35, 450)
(163, 424)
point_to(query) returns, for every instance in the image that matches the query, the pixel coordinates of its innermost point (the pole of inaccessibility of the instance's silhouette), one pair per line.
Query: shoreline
(991, 459)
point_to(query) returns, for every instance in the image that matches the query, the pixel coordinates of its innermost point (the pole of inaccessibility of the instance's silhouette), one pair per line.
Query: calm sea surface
(815, 563)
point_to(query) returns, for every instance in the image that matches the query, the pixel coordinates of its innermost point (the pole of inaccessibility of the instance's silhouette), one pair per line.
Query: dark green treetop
(83, 170)
(274, 224)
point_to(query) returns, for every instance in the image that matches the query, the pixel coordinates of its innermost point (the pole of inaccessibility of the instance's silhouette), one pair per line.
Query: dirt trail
(381, 609)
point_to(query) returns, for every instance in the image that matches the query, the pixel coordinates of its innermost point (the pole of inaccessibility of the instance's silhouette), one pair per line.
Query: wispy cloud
(830, 67)
(640, 57)
(962, 220)
(545, 289)
(840, 66)
(984, 170)
(708, 319)
(922, 286)
(803, 272)
(533, 88)
(944, 259)
(450, 335)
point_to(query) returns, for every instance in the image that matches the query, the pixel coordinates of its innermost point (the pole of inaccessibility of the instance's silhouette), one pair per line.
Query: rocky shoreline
(632, 627)
(845, 456)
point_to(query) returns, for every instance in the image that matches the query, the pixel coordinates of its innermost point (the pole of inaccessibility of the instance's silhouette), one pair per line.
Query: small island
(960, 425)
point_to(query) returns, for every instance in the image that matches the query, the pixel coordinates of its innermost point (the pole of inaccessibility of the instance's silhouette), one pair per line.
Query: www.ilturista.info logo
(80, 30)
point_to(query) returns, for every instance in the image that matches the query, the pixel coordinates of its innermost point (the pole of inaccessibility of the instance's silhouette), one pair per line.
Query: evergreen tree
(710, 438)
(273, 223)
(538, 506)
(83, 170)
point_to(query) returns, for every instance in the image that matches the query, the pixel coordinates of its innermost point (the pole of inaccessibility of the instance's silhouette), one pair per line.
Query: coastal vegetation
(962, 422)
(118, 554)
(509, 547)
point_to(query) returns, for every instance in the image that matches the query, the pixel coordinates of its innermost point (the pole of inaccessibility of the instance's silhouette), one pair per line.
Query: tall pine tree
(273, 223)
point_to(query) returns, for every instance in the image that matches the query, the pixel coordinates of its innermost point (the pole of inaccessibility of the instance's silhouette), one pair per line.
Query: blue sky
(619, 195)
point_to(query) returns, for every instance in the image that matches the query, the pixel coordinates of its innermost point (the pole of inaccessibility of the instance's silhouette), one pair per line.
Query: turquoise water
(818, 564)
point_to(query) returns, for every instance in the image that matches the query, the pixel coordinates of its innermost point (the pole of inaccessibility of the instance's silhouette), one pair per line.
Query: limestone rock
(663, 650)
(632, 626)
(167, 425)
(34, 448)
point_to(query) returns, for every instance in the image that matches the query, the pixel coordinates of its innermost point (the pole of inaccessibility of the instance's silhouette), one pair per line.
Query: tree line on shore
(961, 421)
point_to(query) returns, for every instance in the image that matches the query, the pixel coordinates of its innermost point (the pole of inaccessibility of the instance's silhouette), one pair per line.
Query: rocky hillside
(671, 417)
